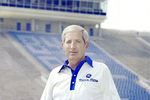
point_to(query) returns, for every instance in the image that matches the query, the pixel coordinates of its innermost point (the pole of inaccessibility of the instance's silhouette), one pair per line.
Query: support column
(60, 27)
(33, 25)
(100, 29)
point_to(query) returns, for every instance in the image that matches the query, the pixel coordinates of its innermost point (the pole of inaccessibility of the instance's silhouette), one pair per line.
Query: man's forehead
(73, 38)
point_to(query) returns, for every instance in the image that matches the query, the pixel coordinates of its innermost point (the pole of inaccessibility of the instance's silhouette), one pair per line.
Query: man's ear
(62, 46)
(87, 45)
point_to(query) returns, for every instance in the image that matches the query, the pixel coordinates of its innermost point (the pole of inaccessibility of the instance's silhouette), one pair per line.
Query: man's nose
(72, 45)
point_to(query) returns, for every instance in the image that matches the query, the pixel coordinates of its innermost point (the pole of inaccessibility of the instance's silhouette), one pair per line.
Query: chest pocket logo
(88, 78)
(88, 75)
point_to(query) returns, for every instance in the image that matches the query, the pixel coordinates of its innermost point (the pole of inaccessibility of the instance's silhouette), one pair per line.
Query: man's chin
(73, 57)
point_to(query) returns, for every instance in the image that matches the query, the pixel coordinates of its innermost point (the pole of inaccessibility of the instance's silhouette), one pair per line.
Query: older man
(79, 78)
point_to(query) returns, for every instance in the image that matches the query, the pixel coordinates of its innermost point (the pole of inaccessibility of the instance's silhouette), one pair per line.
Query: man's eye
(78, 41)
(68, 42)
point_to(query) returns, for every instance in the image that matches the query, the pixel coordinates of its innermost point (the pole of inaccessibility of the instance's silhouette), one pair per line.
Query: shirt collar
(87, 59)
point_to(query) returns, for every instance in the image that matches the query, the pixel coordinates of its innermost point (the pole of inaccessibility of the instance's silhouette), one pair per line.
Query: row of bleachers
(129, 90)
(46, 48)
(77, 6)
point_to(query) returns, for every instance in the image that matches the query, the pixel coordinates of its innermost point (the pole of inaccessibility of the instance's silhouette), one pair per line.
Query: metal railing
(58, 5)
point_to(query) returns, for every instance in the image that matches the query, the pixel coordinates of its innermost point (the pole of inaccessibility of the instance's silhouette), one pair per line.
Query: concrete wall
(39, 25)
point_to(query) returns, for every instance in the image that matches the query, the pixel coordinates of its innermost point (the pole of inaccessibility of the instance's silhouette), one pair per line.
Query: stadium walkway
(20, 74)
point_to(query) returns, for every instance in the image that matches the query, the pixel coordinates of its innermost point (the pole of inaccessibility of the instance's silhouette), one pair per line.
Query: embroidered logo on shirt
(88, 78)
(88, 75)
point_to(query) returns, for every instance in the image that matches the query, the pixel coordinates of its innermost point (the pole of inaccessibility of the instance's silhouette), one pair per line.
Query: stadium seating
(46, 48)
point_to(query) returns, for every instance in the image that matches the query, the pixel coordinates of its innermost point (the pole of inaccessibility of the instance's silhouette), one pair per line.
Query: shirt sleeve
(47, 93)
(107, 86)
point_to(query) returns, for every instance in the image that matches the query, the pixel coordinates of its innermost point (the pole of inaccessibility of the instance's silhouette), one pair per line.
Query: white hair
(72, 28)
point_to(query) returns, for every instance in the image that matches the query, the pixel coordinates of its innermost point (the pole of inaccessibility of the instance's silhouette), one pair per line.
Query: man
(79, 78)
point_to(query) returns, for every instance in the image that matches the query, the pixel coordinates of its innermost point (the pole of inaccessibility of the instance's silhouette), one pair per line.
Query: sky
(128, 15)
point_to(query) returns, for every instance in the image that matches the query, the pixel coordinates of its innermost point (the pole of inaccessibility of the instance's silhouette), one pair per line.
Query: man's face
(74, 46)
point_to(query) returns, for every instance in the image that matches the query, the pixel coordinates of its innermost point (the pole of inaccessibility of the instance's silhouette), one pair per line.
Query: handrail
(52, 6)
